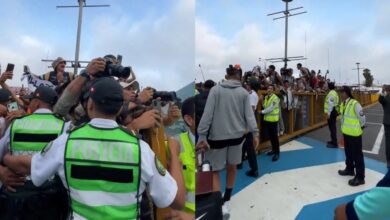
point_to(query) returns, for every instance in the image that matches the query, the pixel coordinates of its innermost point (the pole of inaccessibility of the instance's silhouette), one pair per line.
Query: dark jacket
(200, 103)
(385, 101)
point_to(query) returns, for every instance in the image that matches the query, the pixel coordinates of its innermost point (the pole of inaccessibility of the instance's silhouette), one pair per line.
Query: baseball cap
(347, 90)
(133, 84)
(45, 94)
(106, 91)
(5, 95)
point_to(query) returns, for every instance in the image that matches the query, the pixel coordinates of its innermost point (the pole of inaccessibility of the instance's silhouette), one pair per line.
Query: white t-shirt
(163, 188)
(253, 98)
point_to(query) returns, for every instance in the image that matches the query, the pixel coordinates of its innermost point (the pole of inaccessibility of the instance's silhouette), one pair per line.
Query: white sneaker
(226, 210)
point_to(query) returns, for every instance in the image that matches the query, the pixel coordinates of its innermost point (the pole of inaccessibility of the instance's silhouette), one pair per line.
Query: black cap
(45, 94)
(106, 91)
(347, 90)
(5, 95)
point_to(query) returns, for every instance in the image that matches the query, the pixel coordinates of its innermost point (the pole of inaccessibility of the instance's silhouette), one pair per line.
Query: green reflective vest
(350, 123)
(187, 158)
(102, 170)
(335, 96)
(274, 115)
(32, 133)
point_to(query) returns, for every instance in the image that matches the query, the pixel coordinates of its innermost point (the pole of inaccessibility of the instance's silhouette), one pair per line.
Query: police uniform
(26, 136)
(271, 118)
(103, 166)
(187, 158)
(352, 121)
(331, 107)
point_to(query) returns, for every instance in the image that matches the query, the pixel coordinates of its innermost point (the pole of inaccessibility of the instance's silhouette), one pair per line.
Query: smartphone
(156, 104)
(13, 106)
(10, 67)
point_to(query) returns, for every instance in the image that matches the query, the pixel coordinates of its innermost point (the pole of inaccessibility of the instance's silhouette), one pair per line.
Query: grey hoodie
(228, 113)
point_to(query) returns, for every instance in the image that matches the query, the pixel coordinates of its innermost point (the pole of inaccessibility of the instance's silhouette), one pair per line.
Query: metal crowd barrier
(306, 114)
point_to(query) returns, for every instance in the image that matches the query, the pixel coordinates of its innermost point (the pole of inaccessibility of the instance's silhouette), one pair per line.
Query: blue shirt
(373, 204)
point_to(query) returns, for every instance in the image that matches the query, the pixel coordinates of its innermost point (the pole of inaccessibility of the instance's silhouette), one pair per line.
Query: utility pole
(287, 14)
(82, 4)
(358, 72)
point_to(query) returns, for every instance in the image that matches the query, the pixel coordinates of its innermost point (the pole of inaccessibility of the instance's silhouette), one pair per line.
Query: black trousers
(354, 158)
(249, 149)
(387, 137)
(332, 127)
(272, 128)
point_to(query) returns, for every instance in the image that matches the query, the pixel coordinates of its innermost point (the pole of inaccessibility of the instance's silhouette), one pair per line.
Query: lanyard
(345, 107)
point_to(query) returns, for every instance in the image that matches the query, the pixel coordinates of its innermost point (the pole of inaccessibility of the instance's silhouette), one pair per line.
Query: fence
(307, 114)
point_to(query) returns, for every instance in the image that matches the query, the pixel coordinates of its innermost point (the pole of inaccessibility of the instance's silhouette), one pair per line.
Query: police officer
(331, 107)
(104, 167)
(352, 121)
(186, 142)
(271, 118)
(25, 136)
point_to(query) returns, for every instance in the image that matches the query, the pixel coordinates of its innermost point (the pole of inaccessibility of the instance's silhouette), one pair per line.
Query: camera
(116, 70)
(165, 96)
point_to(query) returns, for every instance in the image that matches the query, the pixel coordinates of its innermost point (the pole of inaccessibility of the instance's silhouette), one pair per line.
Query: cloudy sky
(155, 37)
(239, 31)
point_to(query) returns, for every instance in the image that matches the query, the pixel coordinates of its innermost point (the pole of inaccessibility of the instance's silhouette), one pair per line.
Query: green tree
(369, 77)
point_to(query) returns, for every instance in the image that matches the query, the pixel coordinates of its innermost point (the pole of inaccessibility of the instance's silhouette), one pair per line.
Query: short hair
(299, 64)
(272, 85)
(111, 109)
(272, 67)
(331, 85)
(231, 71)
(286, 81)
(209, 84)
(188, 107)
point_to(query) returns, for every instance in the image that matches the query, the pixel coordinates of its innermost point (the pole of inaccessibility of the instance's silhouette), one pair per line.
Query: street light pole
(358, 69)
(286, 13)
(81, 6)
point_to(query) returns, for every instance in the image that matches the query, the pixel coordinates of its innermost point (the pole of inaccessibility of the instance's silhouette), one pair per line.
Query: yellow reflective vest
(274, 115)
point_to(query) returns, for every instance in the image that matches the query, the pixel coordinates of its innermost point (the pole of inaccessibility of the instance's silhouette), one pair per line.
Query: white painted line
(374, 123)
(378, 142)
(294, 145)
(373, 114)
(282, 195)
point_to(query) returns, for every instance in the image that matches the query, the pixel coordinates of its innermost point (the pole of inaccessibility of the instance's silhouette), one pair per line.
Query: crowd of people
(308, 80)
(228, 132)
(83, 146)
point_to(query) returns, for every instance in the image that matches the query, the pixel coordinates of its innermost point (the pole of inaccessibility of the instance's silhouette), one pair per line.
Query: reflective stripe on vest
(335, 96)
(274, 115)
(350, 123)
(187, 157)
(102, 169)
(32, 133)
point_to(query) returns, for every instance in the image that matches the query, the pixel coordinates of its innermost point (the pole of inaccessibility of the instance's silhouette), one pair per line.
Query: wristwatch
(84, 74)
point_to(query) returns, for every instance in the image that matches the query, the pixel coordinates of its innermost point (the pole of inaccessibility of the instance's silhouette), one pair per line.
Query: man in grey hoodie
(228, 115)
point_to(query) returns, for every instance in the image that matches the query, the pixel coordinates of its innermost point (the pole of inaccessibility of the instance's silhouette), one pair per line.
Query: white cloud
(159, 46)
(160, 49)
(29, 41)
(346, 47)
